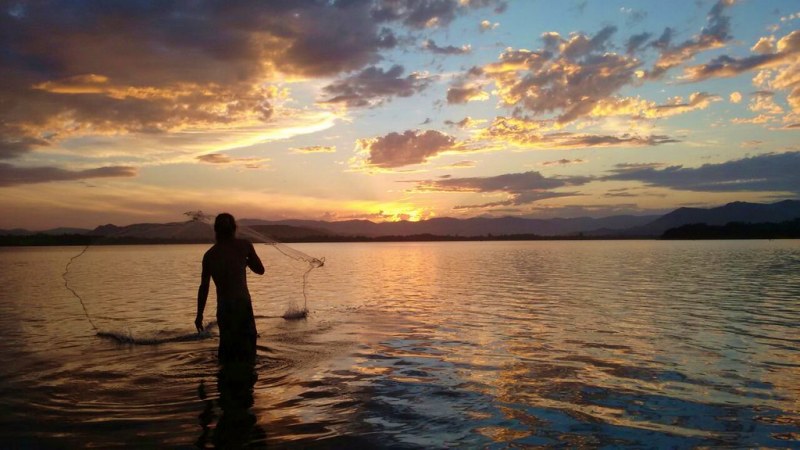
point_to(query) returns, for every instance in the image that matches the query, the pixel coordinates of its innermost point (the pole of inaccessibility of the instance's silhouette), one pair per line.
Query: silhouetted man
(226, 264)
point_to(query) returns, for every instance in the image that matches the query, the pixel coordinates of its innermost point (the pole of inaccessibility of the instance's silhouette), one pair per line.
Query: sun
(406, 214)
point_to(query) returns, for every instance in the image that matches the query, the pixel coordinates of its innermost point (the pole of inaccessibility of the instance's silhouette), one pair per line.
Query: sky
(386, 110)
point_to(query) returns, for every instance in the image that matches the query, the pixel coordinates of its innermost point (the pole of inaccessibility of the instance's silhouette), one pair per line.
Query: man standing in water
(226, 264)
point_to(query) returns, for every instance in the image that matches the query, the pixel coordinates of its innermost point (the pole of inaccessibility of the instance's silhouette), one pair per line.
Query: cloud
(768, 111)
(594, 210)
(223, 159)
(519, 188)
(787, 51)
(215, 158)
(174, 66)
(466, 93)
(567, 77)
(615, 193)
(765, 45)
(184, 65)
(14, 146)
(697, 100)
(752, 143)
(429, 13)
(764, 102)
(466, 122)
(714, 35)
(768, 172)
(11, 175)
(790, 17)
(374, 86)
(637, 108)
(315, 149)
(536, 134)
(759, 119)
(486, 25)
(563, 162)
(735, 97)
(634, 15)
(431, 46)
(635, 42)
(398, 150)
(466, 164)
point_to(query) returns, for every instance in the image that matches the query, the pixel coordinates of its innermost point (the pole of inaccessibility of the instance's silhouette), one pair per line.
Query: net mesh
(293, 311)
(188, 230)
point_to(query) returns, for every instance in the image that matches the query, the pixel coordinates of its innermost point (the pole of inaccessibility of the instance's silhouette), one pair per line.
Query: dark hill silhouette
(478, 226)
(179, 231)
(736, 230)
(610, 227)
(732, 212)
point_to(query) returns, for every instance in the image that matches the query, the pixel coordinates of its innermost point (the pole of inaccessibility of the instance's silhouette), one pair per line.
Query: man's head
(224, 226)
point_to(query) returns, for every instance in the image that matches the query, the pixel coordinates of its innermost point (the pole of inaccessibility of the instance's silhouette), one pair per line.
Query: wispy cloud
(519, 188)
(430, 14)
(466, 164)
(431, 46)
(466, 122)
(562, 162)
(784, 53)
(315, 149)
(714, 35)
(11, 175)
(539, 135)
(223, 159)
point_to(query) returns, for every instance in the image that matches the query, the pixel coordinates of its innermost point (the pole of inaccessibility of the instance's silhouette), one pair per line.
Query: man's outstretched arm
(254, 262)
(202, 296)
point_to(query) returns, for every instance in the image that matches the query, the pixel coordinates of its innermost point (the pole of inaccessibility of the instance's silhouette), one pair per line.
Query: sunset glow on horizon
(390, 110)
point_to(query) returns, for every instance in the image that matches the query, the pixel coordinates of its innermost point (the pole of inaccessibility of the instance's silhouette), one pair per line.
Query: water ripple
(414, 345)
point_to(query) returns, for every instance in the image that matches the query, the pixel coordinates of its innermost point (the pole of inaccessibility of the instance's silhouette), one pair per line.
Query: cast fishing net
(199, 224)
(293, 310)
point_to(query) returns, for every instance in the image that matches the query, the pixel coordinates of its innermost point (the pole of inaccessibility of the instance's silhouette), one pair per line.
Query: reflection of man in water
(226, 264)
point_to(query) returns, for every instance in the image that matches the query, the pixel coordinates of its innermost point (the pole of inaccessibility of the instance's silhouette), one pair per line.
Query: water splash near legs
(129, 339)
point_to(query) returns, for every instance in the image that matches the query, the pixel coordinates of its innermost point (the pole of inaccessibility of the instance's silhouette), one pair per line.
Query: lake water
(412, 345)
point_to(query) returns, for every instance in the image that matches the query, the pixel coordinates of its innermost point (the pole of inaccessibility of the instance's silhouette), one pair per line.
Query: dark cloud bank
(770, 172)
(14, 176)
(74, 68)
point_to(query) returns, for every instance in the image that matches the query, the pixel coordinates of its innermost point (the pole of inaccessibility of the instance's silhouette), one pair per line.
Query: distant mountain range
(732, 212)
(613, 226)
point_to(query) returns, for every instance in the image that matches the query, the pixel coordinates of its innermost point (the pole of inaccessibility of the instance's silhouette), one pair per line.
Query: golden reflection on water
(419, 344)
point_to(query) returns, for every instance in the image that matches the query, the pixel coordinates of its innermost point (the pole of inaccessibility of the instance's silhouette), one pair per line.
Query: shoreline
(43, 240)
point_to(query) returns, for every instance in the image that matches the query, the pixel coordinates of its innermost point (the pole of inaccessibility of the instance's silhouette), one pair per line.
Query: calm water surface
(412, 345)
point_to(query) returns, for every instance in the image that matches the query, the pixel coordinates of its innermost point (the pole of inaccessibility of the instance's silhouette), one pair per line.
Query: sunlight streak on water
(643, 343)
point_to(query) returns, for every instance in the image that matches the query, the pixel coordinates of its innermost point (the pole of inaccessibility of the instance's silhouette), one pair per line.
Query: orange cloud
(398, 150)
(221, 158)
(568, 76)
